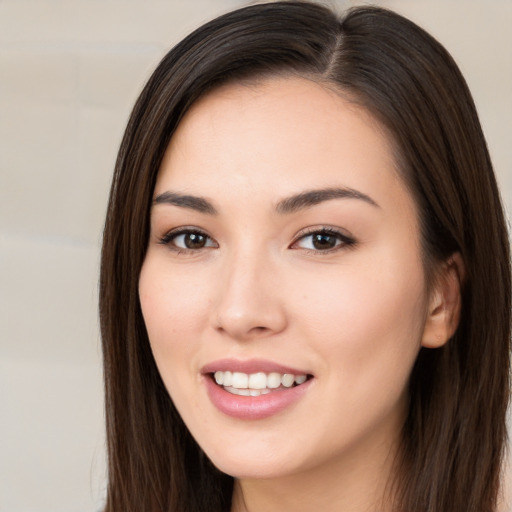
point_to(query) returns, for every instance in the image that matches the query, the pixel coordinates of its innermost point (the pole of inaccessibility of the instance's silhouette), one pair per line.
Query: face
(284, 262)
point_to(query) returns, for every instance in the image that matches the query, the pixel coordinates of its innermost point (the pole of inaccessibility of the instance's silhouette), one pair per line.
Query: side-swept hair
(455, 432)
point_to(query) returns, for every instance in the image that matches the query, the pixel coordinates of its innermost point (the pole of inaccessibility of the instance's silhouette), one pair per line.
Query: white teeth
(255, 384)
(288, 380)
(273, 380)
(247, 392)
(257, 381)
(228, 378)
(240, 380)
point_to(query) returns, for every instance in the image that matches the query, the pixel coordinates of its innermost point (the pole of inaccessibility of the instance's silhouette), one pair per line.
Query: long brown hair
(455, 432)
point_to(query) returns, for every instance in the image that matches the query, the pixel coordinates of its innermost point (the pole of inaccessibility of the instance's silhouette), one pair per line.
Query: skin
(354, 316)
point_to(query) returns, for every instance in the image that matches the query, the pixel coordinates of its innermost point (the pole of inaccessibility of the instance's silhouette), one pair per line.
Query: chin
(253, 469)
(252, 461)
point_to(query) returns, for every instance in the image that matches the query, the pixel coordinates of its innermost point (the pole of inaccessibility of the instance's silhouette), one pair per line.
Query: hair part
(455, 432)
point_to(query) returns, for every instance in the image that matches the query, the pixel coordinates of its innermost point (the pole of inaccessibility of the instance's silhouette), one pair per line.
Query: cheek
(370, 319)
(175, 310)
(366, 329)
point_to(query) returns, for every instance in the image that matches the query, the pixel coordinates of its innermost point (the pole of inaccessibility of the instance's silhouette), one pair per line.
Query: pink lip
(250, 366)
(252, 407)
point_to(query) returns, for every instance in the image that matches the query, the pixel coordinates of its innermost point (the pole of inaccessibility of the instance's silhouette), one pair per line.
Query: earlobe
(444, 310)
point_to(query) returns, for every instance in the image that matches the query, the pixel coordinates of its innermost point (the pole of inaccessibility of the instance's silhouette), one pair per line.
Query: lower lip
(254, 407)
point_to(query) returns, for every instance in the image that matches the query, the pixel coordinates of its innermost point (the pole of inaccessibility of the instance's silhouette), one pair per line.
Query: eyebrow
(313, 197)
(198, 204)
(288, 205)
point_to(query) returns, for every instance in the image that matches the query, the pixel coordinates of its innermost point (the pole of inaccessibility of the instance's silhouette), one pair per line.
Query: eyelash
(342, 240)
(169, 237)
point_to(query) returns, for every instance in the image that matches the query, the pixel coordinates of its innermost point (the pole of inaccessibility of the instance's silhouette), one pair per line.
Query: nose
(248, 302)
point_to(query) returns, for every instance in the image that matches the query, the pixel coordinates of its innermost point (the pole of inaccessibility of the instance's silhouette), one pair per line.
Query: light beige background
(69, 74)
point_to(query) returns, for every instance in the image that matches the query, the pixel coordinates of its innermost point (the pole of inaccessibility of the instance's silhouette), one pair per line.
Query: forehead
(275, 137)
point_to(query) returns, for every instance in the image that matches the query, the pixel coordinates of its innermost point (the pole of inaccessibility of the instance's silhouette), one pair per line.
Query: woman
(305, 284)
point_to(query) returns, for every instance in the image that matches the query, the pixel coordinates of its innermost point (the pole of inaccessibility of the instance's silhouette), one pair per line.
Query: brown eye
(323, 240)
(194, 240)
(188, 240)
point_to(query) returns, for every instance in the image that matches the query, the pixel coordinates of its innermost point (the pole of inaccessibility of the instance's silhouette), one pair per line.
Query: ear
(443, 314)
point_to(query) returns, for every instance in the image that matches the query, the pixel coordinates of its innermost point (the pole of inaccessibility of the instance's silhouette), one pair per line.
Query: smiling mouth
(256, 384)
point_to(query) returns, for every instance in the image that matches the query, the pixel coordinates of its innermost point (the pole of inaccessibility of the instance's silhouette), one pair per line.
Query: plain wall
(69, 74)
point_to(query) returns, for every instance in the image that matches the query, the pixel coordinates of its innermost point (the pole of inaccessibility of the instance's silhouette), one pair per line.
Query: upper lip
(250, 366)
